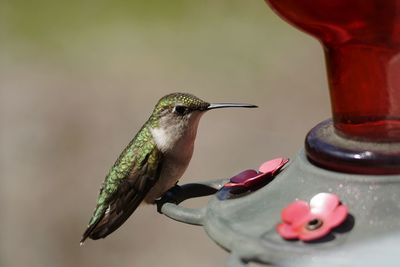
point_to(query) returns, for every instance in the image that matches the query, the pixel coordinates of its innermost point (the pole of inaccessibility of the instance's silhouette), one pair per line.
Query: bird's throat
(175, 137)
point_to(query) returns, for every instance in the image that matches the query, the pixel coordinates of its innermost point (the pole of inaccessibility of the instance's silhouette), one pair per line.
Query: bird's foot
(171, 196)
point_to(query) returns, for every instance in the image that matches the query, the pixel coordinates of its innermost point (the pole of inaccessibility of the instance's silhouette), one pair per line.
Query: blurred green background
(79, 78)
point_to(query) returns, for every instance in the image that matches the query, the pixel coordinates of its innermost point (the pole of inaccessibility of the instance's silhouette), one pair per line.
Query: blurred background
(79, 78)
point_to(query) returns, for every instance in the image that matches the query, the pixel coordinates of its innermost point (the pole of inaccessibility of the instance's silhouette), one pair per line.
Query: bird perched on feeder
(152, 163)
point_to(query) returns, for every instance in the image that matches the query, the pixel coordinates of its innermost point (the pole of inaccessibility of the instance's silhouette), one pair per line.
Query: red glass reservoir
(361, 39)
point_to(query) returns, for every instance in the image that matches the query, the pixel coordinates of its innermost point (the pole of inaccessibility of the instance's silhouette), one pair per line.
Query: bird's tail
(111, 219)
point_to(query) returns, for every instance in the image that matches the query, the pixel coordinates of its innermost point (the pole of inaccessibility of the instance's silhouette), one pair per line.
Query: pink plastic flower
(249, 178)
(312, 221)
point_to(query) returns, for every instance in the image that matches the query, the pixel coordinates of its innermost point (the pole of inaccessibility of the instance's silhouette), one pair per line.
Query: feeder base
(329, 150)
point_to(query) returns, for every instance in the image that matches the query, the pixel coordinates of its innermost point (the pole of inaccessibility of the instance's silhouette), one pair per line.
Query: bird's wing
(125, 188)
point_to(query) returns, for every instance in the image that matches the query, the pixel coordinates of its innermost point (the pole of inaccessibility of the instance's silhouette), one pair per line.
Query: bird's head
(178, 114)
(178, 108)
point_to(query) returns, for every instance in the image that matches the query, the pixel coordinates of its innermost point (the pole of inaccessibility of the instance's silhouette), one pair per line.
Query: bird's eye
(180, 110)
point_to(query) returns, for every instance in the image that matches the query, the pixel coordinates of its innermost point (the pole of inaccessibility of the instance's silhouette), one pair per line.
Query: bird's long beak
(230, 105)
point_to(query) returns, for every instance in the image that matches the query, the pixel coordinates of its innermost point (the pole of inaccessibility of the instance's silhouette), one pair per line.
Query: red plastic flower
(249, 178)
(312, 221)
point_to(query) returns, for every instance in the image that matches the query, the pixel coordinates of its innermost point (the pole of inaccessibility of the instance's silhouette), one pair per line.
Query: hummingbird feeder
(349, 169)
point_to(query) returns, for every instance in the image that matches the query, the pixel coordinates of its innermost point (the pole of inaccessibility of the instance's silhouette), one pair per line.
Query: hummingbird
(152, 162)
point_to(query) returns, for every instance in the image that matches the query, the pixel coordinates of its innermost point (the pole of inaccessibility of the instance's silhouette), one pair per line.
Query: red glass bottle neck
(362, 47)
(364, 83)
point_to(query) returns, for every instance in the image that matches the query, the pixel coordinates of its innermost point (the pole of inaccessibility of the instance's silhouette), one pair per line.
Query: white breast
(177, 145)
(165, 137)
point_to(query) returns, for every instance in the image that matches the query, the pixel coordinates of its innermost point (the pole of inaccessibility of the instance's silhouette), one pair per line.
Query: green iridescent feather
(132, 156)
(136, 167)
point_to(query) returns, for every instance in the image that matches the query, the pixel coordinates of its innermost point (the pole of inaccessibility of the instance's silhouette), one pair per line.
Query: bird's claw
(171, 196)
